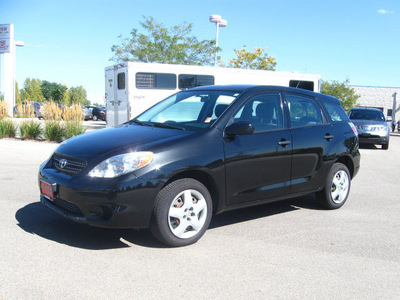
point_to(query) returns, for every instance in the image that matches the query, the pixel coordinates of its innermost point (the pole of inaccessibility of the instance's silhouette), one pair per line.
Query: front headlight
(122, 164)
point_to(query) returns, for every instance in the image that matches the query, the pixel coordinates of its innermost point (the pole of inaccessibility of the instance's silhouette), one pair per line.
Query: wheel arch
(347, 161)
(206, 179)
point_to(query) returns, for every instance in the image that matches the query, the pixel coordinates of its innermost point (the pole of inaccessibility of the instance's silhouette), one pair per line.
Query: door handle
(284, 142)
(328, 137)
(115, 101)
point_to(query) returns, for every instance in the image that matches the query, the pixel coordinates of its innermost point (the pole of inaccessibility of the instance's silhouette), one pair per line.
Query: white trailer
(133, 87)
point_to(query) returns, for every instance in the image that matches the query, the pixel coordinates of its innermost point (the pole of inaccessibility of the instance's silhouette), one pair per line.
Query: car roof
(366, 108)
(254, 88)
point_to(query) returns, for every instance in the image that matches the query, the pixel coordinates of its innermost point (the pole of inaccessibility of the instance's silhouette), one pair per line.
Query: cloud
(385, 12)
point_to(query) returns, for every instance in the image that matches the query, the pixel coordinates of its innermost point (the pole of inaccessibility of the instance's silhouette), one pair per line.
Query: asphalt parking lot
(287, 250)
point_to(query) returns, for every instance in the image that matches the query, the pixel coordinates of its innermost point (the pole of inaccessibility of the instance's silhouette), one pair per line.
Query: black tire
(385, 146)
(195, 212)
(337, 187)
(94, 118)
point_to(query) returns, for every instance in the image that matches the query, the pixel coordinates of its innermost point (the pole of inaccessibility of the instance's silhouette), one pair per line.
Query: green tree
(17, 94)
(78, 95)
(67, 97)
(162, 45)
(53, 90)
(32, 91)
(344, 93)
(256, 60)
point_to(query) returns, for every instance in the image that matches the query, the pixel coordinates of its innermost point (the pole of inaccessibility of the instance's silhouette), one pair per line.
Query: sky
(69, 42)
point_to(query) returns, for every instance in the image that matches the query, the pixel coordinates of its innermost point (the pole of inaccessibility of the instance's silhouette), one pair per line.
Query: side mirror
(239, 128)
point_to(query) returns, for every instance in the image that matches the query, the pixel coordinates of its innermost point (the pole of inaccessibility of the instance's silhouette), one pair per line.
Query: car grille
(68, 165)
(68, 207)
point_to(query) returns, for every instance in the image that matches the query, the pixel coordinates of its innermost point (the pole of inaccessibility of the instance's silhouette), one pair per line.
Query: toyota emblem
(63, 163)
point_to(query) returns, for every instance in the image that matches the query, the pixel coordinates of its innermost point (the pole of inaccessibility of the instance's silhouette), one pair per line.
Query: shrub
(7, 129)
(30, 130)
(54, 131)
(73, 128)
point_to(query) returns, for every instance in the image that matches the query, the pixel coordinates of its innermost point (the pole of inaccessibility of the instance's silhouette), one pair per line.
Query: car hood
(117, 140)
(368, 122)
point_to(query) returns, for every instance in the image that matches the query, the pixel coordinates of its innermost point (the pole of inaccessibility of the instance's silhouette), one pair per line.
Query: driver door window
(263, 111)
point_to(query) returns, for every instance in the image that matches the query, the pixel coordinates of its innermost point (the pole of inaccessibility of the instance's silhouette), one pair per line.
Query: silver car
(86, 113)
(371, 126)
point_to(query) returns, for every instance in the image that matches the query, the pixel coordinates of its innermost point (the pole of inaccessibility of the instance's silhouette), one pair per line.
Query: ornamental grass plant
(73, 118)
(52, 111)
(60, 122)
(3, 109)
(31, 130)
(73, 128)
(25, 110)
(73, 113)
(54, 131)
(7, 128)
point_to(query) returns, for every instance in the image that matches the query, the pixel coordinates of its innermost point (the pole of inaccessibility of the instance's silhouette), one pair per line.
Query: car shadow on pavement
(39, 220)
(34, 218)
(264, 210)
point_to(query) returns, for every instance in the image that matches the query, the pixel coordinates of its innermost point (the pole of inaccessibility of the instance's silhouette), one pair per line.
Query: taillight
(354, 128)
(100, 111)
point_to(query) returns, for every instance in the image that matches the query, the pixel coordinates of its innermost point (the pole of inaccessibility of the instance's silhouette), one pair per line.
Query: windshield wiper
(156, 124)
(167, 125)
(136, 121)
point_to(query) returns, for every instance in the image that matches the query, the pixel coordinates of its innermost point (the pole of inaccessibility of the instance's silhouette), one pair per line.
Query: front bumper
(368, 138)
(123, 202)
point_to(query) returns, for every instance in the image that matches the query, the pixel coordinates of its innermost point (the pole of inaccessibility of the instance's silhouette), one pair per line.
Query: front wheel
(182, 212)
(337, 187)
(94, 118)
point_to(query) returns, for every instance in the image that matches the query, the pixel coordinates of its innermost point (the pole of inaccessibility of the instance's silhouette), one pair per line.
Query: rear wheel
(182, 213)
(94, 118)
(337, 187)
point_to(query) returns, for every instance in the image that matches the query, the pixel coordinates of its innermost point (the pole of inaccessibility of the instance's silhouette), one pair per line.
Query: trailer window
(121, 81)
(157, 81)
(187, 81)
(306, 85)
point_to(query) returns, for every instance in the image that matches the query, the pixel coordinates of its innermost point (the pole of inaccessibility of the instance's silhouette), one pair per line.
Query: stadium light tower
(219, 22)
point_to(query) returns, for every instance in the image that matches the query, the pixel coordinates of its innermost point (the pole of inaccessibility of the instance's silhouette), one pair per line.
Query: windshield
(188, 110)
(367, 115)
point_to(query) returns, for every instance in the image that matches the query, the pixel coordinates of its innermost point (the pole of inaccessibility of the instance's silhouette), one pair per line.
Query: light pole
(7, 48)
(219, 22)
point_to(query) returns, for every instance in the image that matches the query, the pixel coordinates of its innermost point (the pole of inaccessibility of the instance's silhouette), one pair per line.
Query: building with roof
(385, 98)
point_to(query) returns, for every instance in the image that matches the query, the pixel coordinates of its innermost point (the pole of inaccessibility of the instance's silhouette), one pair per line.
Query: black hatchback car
(200, 152)
(99, 113)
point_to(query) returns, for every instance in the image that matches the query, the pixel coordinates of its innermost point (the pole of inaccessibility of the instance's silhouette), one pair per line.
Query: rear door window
(335, 112)
(304, 111)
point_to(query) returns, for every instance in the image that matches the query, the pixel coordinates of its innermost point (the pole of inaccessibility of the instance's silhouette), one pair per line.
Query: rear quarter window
(334, 111)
